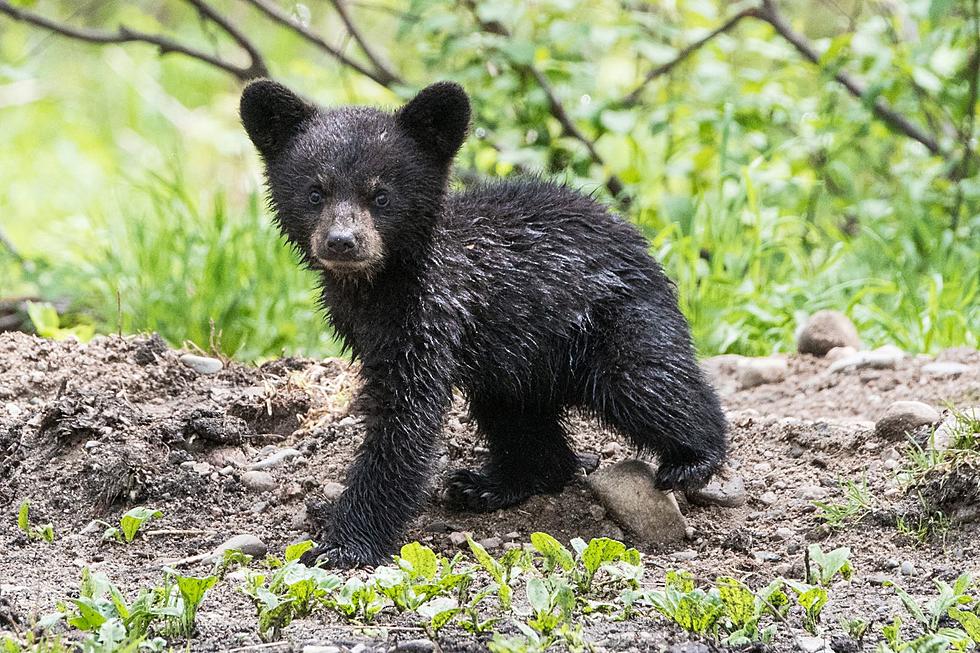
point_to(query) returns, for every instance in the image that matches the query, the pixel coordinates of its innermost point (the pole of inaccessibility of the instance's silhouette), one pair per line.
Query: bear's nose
(340, 242)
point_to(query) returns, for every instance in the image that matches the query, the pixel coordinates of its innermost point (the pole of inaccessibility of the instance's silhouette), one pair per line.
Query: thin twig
(881, 109)
(258, 67)
(555, 106)
(124, 34)
(373, 57)
(380, 77)
(663, 69)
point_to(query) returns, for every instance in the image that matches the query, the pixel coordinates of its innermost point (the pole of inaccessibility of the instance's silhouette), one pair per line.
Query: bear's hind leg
(647, 384)
(529, 454)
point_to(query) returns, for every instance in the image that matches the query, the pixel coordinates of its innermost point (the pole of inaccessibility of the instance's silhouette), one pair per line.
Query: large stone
(759, 371)
(726, 489)
(628, 491)
(246, 543)
(883, 358)
(826, 330)
(944, 368)
(904, 417)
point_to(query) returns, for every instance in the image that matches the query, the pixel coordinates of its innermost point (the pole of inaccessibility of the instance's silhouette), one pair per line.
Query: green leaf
(600, 551)
(538, 595)
(486, 560)
(23, 516)
(738, 599)
(555, 554)
(296, 551)
(133, 520)
(421, 559)
(969, 621)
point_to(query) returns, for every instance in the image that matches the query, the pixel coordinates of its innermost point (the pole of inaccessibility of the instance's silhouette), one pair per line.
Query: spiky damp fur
(528, 296)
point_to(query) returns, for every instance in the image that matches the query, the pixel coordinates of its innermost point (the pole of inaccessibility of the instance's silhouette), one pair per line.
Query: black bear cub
(529, 297)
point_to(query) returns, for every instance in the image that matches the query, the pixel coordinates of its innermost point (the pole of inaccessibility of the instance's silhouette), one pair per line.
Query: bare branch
(665, 68)
(124, 34)
(381, 77)
(555, 106)
(373, 57)
(258, 67)
(881, 109)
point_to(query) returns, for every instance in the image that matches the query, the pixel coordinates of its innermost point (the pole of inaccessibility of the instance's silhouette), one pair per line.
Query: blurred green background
(133, 199)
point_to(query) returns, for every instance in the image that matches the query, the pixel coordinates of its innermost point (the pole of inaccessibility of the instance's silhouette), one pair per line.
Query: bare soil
(87, 431)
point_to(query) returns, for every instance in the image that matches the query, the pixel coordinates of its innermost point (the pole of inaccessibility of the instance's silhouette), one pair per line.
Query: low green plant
(130, 524)
(503, 571)
(47, 323)
(822, 567)
(812, 598)
(857, 504)
(953, 602)
(38, 533)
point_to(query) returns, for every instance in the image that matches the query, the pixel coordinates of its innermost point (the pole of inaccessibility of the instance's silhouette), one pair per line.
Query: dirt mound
(87, 431)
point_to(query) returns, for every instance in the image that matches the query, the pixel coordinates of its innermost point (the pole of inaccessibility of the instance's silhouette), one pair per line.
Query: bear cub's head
(354, 188)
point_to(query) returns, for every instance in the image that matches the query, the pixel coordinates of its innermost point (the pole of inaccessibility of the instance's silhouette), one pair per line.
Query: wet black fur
(528, 296)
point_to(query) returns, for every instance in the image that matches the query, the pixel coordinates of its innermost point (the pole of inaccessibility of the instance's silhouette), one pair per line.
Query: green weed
(40, 533)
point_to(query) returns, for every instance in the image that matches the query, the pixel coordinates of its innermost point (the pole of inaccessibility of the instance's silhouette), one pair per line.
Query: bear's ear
(437, 119)
(272, 114)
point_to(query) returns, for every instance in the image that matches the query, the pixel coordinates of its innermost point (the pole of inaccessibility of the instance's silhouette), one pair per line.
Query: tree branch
(769, 13)
(381, 77)
(634, 95)
(124, 34)
(258, 67)
(379, 64)
(613, 184)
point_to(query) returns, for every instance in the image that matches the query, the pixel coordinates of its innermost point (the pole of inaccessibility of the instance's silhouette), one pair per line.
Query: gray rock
(331, 491)
(246, 543)
(491, 543)
(259, 481)
(321, 649)
(769, 498)
(826, 330)
(812, 644)
(883, 358)
(952, 427)
(907, 569)
(684, 556)
(726, 489)
(838, 353)
(459, 538)
(766, 556)
(784, 533)
(275, 459)
(813, 493)
(202, 364)
(944, 368)
(414, 646)
(753, 372)
(628, 492)
(904, 417)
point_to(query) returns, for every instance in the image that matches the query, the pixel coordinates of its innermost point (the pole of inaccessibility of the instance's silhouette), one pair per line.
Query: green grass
(197, 274)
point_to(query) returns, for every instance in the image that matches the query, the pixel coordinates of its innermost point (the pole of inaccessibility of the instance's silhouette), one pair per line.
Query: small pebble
(258, 481)
(769, 498)
(907, 569)
(784, 533)
(331, 491)
(275, 459)
(202, 364)
(685, 555)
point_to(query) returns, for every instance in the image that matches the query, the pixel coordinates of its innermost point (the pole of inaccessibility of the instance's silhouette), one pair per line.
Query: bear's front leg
(389, 480)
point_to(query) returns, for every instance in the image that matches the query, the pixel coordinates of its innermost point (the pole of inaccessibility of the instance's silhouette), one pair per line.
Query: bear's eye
(381, 198)
(315, 197)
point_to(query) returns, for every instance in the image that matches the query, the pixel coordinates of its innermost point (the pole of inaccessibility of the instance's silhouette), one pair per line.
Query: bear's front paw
(472, 491)
(339, 556)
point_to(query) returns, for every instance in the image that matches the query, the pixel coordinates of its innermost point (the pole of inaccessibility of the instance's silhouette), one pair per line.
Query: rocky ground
(88, 431)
